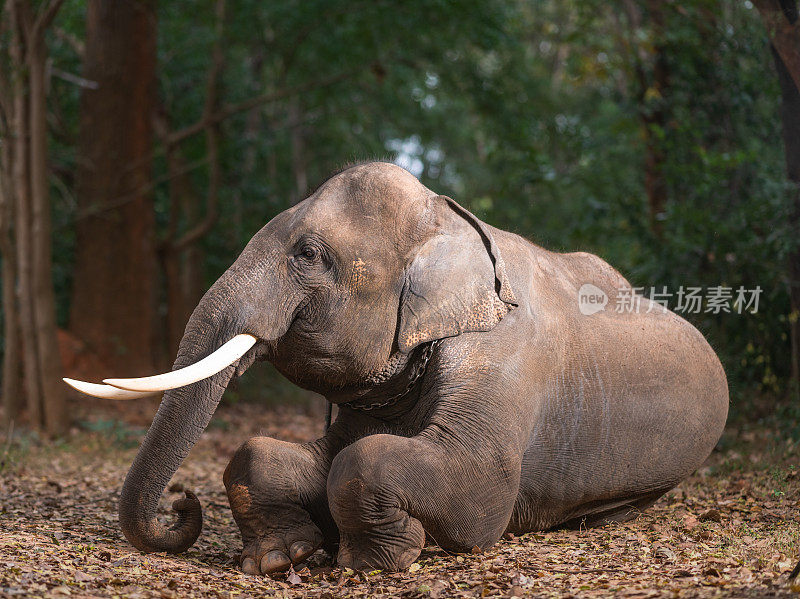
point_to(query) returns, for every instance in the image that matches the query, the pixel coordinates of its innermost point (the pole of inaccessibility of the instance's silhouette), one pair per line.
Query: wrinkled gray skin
(529, 414)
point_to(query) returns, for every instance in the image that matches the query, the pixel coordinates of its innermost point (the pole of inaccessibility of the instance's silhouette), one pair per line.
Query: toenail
(249, 566)
(274, 561)
(300, 550)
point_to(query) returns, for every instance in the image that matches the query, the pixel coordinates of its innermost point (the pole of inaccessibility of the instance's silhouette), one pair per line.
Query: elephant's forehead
(373, 199)
(357, 230)
(374, 190)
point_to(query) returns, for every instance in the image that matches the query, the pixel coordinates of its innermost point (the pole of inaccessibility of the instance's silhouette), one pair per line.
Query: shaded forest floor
(732, 529)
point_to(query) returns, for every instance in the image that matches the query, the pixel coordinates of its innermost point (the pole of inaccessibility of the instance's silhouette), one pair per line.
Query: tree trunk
(114, 292)
(30, 310)
(654, 118)
(790, 118)
(252, 130)
(652, 105)
(182, 257)
(782, 21)
(22, 207)
(182, 192)
(12, 398)
(52, 388)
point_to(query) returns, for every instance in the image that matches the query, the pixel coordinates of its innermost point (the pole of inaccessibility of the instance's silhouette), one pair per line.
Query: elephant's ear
(455, 284)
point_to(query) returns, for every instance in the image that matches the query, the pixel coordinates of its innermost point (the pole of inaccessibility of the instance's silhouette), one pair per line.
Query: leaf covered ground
(732, 529)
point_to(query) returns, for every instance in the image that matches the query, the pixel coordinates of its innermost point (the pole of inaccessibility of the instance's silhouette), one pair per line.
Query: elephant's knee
(263, 466)
(245, 459)
(366, 459)
(239, 466)
(363, 479)
(346, 479)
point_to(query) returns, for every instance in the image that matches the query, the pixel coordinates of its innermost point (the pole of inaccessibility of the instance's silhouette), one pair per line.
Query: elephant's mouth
(121, 389)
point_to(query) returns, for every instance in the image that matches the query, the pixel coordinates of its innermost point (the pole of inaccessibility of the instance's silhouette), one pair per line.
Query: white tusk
(208, 366)
(105, 391)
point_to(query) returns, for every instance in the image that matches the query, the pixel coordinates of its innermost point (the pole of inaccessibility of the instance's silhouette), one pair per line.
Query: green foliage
(268, 387)
(531, 113)
(116, 432)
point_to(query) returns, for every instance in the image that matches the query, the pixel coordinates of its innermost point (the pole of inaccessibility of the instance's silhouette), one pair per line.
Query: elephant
(475, 396)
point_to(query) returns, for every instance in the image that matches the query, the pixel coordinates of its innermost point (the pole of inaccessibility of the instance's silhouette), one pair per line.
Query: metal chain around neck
(419, 368)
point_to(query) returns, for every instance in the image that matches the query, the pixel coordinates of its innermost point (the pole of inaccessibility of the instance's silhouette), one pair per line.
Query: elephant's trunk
(182, 417)
(227, 310)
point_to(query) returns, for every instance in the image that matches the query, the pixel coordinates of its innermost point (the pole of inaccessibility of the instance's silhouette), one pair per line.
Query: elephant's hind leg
(277, 495)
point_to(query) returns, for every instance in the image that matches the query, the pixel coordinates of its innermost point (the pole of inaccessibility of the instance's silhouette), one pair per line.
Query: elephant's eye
(310, 256)
(310, 252)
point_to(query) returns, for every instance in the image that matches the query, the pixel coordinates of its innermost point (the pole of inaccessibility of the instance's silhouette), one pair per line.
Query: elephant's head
(371, 265)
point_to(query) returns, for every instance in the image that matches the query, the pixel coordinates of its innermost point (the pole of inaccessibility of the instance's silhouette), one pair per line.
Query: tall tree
(180, 253)
(12, 398)
(651, 103)
(113, 304)
(30, 321)
(781, 19)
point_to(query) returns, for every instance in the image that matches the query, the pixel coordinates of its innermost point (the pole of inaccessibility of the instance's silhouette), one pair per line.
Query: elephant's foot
(392, 545)
(275, 548)
(271, 486)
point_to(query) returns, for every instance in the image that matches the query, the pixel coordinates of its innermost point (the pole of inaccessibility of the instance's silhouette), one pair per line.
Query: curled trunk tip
(151, 536)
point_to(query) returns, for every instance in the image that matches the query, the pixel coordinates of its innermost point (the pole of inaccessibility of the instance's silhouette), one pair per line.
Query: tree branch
(232, 109)
(45, 18)
(73, 42)
(131, 196)
(74, 79)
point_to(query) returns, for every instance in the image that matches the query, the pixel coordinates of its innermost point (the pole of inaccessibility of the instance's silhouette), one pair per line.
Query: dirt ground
(732, 529)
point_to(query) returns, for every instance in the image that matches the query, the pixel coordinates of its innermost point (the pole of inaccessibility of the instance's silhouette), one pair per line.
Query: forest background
(144, 143)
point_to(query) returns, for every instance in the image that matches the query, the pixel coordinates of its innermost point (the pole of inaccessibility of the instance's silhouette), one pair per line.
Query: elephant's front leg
(386, 492)
(277, 495)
